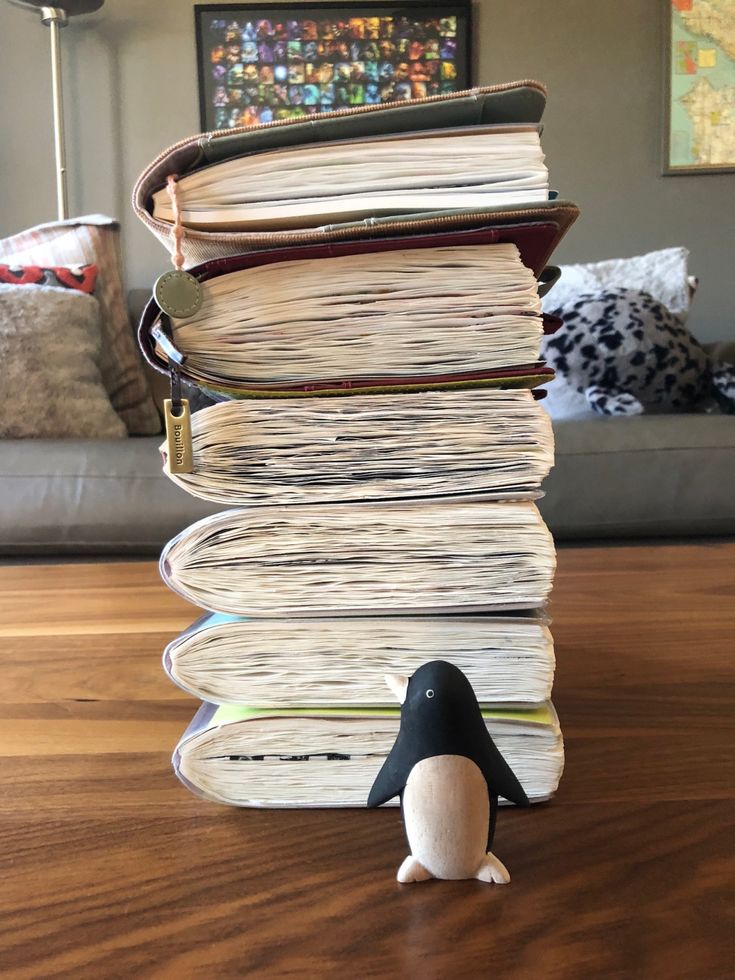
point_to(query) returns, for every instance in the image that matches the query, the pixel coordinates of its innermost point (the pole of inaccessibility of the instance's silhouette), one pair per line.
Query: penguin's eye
(430, 693)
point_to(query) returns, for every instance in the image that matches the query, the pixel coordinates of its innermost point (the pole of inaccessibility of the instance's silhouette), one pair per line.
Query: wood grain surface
(111, 869)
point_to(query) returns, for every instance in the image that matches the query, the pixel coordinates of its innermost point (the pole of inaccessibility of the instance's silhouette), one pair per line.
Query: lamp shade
(70, 7)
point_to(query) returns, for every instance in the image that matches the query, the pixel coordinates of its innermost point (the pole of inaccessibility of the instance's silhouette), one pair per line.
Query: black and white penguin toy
(449, 775)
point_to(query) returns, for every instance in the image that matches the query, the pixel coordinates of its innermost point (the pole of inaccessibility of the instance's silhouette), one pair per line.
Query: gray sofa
(646, 476)
(657, 475)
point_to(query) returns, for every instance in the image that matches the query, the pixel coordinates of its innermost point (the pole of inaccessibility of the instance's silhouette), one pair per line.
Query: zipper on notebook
(333, 233)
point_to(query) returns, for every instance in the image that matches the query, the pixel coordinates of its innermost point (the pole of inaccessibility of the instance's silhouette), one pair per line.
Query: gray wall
(130, 81)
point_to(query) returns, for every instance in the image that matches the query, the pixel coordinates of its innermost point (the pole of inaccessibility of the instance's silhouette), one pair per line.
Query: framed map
(259, 63)
(700, 90)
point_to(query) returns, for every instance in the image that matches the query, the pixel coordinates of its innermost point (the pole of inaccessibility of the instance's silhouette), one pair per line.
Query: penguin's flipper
(413, 870)
(388, 783)
(500, 778)
(491, 870)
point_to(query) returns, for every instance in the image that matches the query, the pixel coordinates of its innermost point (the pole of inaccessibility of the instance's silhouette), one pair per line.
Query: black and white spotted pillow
(626, 353)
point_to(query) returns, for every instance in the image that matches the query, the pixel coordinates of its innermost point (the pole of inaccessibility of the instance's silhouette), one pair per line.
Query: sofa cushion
(646, 475)
(67, 497)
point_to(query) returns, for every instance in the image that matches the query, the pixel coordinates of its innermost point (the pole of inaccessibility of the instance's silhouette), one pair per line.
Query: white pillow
(663, 274)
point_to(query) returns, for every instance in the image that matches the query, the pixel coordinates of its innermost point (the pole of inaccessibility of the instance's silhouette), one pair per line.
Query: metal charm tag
(178, 293)
(179, 456)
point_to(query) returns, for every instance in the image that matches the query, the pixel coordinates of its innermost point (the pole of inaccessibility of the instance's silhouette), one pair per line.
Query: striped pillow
(80, 277)
(96, 239)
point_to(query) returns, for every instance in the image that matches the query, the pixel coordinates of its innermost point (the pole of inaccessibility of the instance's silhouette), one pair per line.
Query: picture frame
(699, 123)
(261, 62)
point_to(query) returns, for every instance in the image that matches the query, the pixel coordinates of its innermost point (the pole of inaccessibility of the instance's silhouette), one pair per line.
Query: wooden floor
(111, 869)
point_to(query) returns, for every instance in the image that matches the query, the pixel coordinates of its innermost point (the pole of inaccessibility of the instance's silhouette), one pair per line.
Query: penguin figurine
(449, 775)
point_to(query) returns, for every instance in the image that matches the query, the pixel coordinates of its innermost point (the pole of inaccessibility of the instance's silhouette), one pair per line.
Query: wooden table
(111, 869)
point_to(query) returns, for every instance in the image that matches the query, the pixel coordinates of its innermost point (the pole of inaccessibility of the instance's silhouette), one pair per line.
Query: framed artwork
(260, 62)
(700, 87)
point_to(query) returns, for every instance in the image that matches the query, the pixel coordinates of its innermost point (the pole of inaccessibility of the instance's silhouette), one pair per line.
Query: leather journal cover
(513, 102)
(535, 230)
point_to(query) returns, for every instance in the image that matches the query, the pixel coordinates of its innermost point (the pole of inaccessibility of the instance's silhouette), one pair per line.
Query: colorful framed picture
(259, 63)
(700, 87)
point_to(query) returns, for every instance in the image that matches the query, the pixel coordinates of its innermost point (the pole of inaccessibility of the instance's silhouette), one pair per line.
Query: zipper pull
(162, 339)
(178, 457)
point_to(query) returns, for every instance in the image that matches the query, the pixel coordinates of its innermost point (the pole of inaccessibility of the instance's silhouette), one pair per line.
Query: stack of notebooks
(365, 310)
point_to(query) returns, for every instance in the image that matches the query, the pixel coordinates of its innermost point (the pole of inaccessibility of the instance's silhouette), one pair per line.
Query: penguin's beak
(398, 683)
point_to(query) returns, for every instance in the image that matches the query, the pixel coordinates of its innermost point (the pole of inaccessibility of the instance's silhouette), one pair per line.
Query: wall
(130, 81)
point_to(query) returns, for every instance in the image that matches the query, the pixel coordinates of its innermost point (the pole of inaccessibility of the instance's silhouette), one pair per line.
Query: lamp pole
(55, 18)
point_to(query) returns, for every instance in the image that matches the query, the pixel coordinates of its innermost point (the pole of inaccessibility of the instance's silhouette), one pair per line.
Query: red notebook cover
(535, 240)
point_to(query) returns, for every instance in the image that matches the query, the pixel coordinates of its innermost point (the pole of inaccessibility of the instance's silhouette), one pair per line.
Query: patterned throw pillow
(95, 239)
(621, 352)
(81, 277)
(50, 345)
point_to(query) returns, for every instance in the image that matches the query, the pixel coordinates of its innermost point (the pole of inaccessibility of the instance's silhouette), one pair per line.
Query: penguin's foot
(493, 870)
(412, 870)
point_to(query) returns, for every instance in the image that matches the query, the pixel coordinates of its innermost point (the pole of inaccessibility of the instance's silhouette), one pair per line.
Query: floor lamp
(55, 18)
